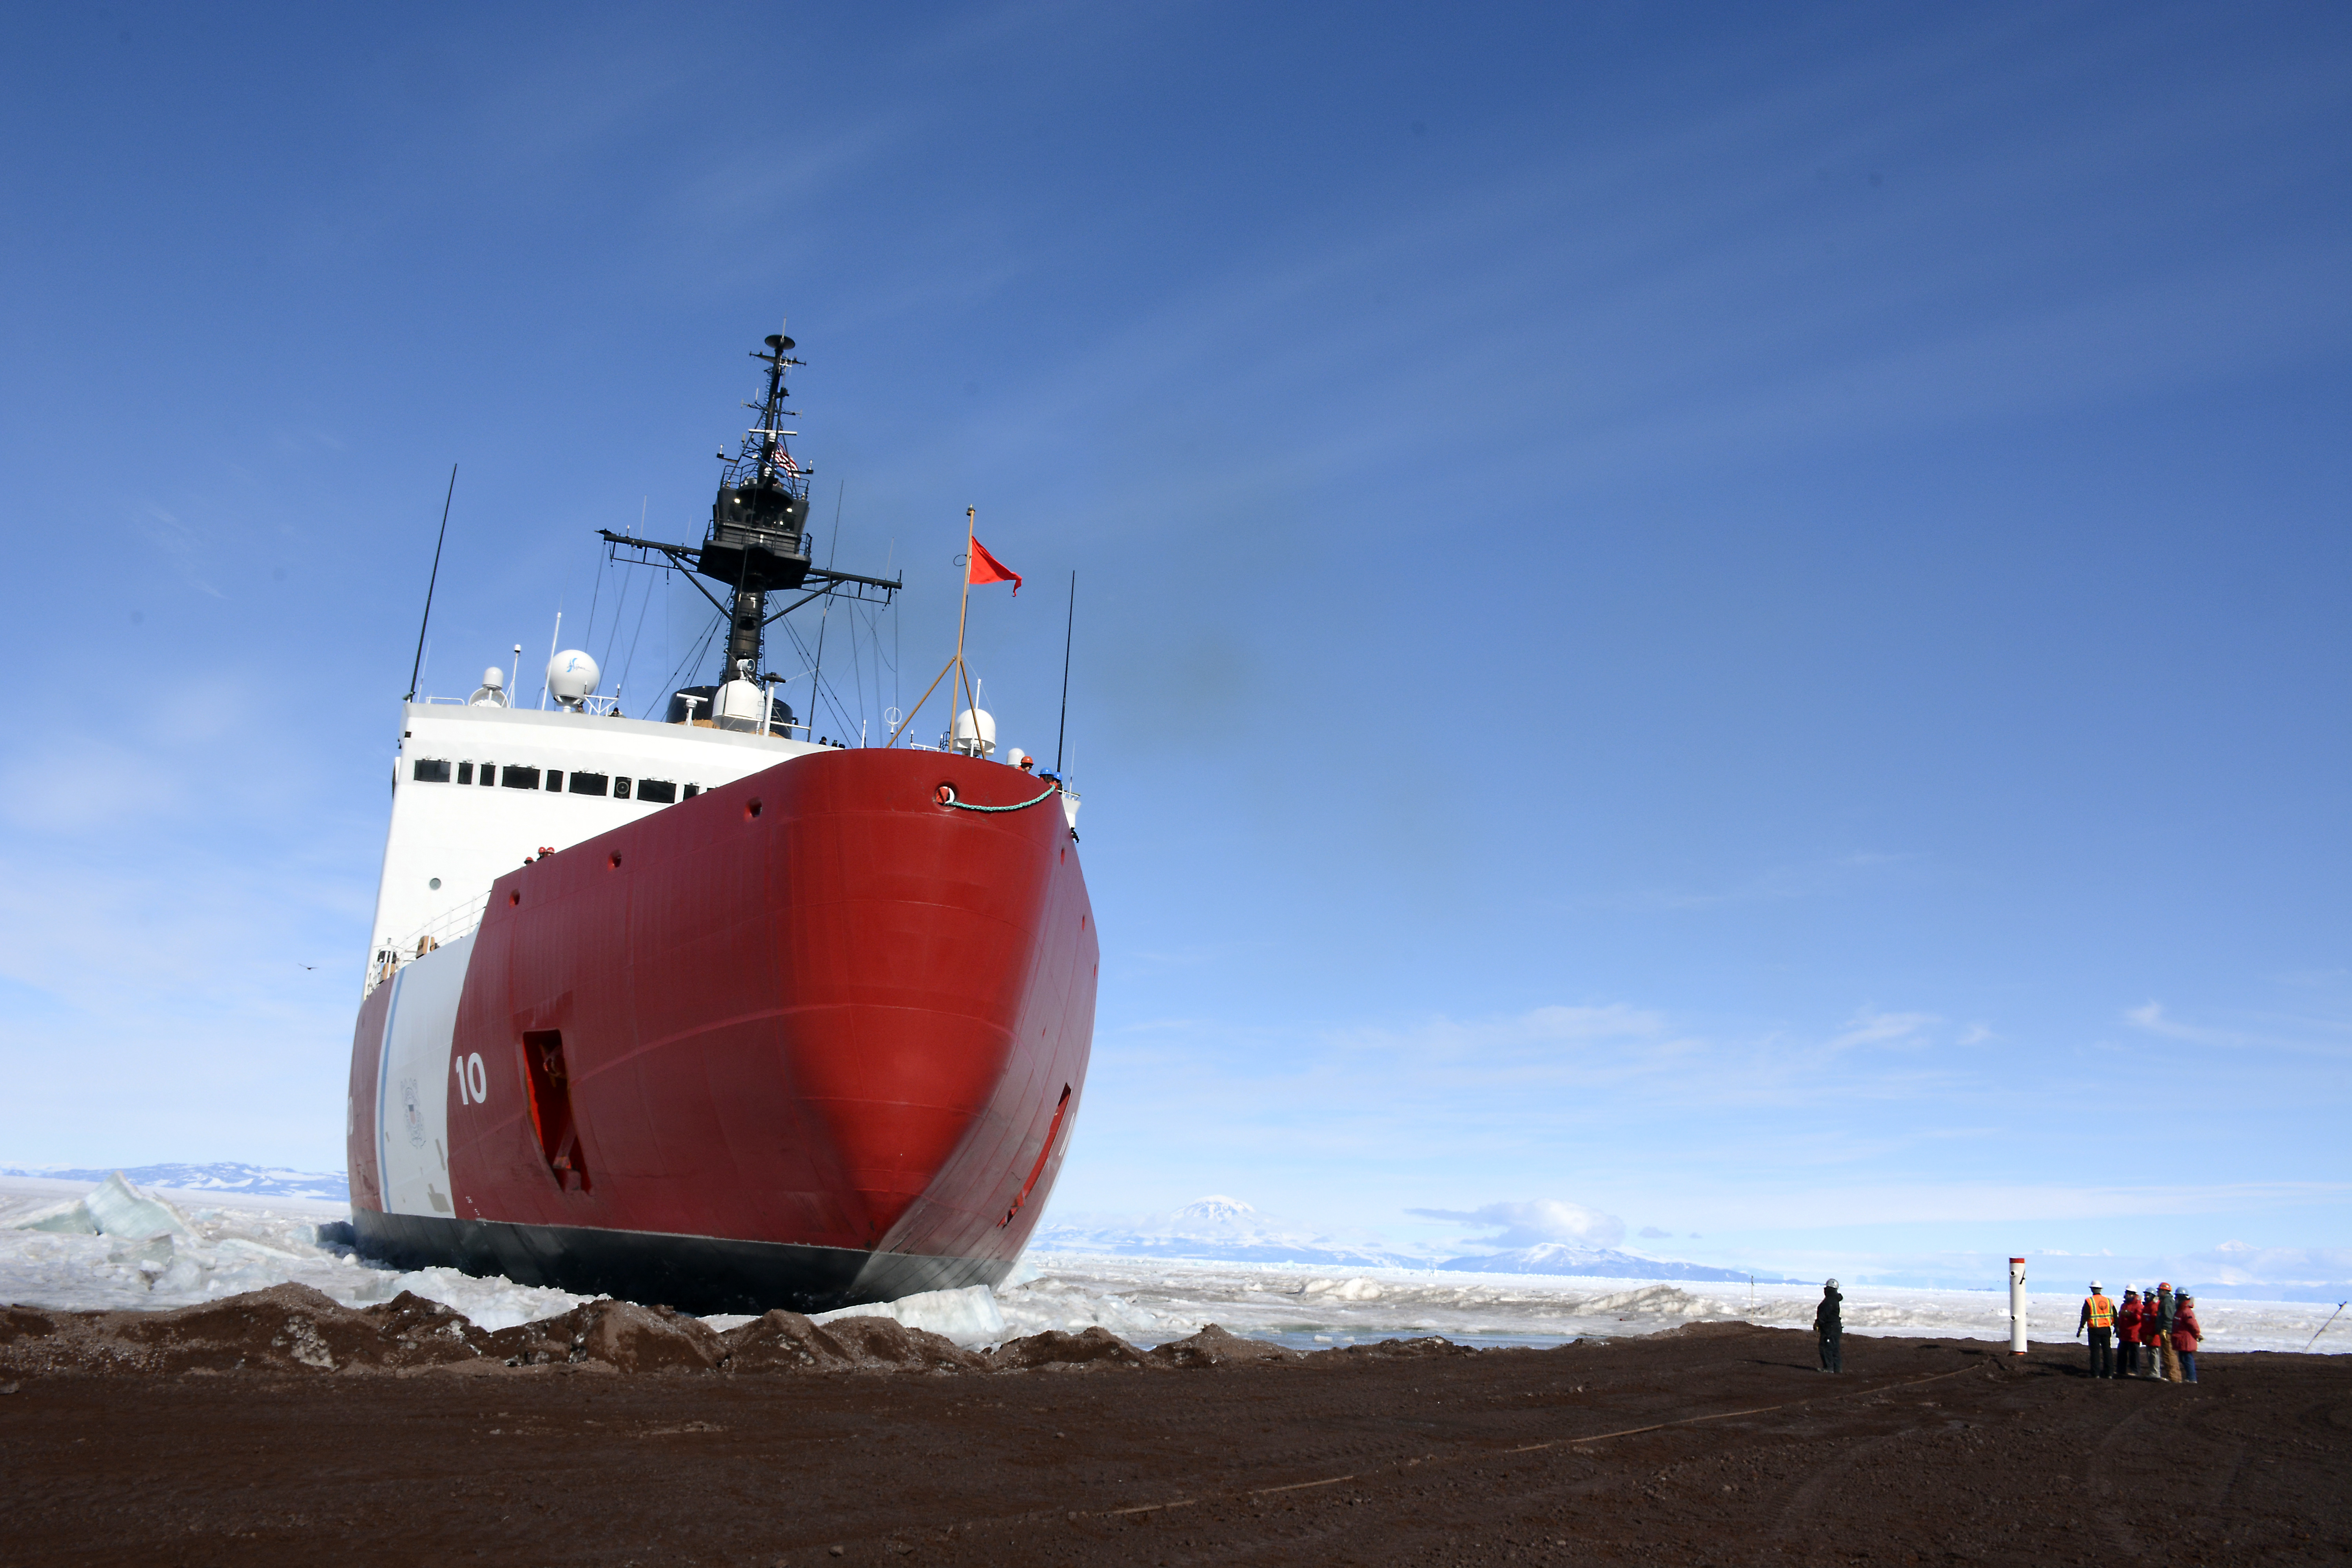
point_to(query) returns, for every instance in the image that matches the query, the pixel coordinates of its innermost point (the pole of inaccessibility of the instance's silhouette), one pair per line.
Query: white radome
(572, 675)
(976, 731)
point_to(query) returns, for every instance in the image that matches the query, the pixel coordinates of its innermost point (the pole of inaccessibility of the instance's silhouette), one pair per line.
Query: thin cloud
(1534, 1223)
(2152, 1018)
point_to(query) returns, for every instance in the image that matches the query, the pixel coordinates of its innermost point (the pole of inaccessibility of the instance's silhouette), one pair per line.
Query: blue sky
(1732, 616)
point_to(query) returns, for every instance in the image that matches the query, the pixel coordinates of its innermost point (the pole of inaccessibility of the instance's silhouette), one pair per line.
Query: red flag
(986, 568)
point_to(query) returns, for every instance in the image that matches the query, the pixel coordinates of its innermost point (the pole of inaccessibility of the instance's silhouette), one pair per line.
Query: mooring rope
(947, 797)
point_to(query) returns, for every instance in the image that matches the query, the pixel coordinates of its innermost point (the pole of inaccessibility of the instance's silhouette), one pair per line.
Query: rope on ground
(1475, 1455)
(1469, 1455)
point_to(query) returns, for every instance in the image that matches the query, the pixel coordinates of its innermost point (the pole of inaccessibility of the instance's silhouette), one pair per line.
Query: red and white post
(2017, 1306)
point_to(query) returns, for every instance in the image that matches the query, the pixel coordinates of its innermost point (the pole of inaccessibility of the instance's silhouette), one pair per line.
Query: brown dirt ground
(400, 1437)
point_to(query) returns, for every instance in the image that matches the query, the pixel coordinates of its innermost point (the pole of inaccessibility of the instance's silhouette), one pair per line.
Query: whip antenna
(1068, 626)
(429, 582)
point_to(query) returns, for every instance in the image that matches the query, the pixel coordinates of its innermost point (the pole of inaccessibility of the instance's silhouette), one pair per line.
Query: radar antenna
(757, 542)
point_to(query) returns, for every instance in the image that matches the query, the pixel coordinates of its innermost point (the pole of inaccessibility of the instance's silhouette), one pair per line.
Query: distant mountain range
(1559, 1258)
(1218, 1229)
(1226, 1230)
(254, 1181)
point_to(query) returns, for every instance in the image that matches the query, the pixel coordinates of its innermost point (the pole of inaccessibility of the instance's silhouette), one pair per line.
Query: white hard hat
(2094, 1285)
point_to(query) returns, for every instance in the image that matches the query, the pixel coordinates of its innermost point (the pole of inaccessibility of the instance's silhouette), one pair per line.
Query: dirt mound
(786, 1342)
(287, 1327)
(295, 1328)
(1719, 1329)
(1398, 1350)
(1212, 1346)
(619, 1335)
(885, 1344)
(1059, 1352)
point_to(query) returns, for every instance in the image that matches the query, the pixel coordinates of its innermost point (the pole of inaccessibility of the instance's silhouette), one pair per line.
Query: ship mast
(758, 540)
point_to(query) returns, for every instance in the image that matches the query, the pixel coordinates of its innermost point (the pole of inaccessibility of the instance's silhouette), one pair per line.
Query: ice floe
(970, 1316)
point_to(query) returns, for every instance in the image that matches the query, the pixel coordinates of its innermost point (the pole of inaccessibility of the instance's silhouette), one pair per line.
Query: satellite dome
(494, 678)
(572, 675)
(975, 732)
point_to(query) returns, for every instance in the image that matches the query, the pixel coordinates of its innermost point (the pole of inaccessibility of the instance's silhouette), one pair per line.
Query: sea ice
(114, 1207)
(89, 1249)
(969, 1316)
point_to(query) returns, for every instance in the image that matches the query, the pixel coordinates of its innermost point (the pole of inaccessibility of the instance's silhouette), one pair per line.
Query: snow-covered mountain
(227, 1176)
(1604, 1262)
(1217, 1229)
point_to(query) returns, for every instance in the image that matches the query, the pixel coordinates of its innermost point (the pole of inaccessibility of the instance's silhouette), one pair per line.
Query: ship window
(520, 778)
(490, 774)
(588, 783)
(621, 788)
(661, 790)
(555, 780)
(430, 772)
(693, 790)
(465, 773)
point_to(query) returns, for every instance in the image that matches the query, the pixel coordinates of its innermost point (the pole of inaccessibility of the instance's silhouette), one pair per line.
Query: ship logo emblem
(415, 1113)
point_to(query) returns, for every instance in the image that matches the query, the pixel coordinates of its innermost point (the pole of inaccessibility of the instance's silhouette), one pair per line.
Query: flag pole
(955, 663)
(963, 676)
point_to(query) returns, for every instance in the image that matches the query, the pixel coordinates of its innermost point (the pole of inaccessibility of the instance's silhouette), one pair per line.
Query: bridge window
(429, 771)
(662, 790)
(588, 783)
(693, 790)
(520, 778)
(465, 773)
(555, 780)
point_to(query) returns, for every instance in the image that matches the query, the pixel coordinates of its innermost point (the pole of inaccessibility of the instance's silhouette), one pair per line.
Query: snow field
(74, 1246)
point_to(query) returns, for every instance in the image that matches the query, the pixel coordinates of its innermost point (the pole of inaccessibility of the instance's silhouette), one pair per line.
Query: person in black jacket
(1830, 1328)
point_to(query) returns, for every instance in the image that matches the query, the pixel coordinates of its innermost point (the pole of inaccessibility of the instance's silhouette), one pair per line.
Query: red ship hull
(811, 1039)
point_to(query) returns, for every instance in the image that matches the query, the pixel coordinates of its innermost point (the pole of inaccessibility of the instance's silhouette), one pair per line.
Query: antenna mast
(430, 582)
(756, 543)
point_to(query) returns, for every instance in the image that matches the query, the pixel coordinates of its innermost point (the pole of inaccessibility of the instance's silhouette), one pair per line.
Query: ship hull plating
(812, 1038)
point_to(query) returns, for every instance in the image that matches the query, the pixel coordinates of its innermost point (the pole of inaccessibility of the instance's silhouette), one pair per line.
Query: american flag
(784, 461)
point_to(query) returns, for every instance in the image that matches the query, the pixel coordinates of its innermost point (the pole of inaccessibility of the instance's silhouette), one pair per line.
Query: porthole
(751, 808)
(435, 883)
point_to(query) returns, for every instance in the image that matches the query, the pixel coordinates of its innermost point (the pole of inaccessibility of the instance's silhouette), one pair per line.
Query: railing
(393, 956)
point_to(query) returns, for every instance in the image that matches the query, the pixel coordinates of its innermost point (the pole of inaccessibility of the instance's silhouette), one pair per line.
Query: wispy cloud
(1797, 879)
(1534, 1222)
(2309, 1037)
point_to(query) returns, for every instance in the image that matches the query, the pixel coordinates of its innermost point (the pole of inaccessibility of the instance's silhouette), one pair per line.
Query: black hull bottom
(697, 1273)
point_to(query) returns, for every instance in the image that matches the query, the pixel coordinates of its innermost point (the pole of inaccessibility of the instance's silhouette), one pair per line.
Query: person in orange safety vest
(2099, 1317)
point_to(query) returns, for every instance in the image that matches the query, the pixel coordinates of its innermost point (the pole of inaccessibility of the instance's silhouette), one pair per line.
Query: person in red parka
(2186, 1334)
(2128, 1324)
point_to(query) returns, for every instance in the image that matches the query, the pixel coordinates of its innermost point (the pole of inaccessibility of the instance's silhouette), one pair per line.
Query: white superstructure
(478, 789)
